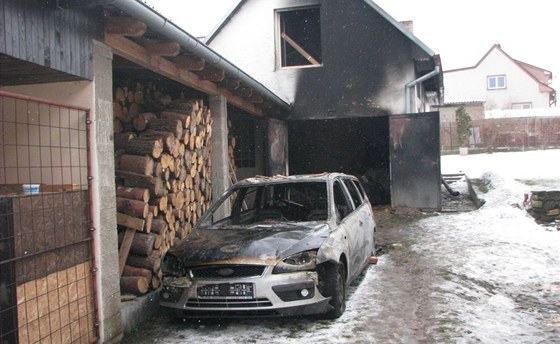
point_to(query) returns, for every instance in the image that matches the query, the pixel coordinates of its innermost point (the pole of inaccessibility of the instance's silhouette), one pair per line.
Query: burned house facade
(354, 77)
(355, 104)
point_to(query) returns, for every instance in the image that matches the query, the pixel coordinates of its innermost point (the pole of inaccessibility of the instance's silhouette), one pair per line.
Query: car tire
(334, 285)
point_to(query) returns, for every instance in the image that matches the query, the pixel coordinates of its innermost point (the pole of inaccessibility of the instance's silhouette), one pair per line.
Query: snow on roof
(511, 113)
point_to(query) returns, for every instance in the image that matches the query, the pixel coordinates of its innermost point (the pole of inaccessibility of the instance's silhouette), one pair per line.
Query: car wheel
(334, 284)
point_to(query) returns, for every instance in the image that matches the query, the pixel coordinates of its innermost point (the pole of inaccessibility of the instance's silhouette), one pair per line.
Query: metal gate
(415, 161)
(46, 257)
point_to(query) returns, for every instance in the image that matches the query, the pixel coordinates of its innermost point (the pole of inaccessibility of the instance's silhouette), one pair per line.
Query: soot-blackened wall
(358, 146)
(366, 64)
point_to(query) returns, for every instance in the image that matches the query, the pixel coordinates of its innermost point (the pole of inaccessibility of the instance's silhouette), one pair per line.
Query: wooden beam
(266, 105)
(212, 74)
(192, 63)
(256, 99)
(137, 54)
(300, 50)
(124, 250)
(232, 84)
(163, 49)
(125, 26)
(244, 91)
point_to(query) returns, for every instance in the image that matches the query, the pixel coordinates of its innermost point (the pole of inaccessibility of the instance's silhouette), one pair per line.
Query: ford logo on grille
(225, 272)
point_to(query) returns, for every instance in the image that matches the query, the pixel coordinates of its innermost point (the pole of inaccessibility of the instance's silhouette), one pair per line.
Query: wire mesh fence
(46, 255)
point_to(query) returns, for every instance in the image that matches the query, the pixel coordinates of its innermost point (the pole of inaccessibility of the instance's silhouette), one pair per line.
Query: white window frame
(522, 106)
(496, 79)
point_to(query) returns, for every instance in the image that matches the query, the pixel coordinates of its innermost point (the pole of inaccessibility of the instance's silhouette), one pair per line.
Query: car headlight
(172, 266)
(297, 262)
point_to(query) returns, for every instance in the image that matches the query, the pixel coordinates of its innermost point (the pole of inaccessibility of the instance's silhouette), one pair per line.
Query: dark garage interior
(358, 146)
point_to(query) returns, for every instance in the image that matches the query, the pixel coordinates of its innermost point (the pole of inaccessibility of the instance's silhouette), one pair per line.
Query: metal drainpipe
(163, 26)
(410, 85)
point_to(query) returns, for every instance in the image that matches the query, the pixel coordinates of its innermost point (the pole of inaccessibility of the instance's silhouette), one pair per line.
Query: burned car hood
(248, 245)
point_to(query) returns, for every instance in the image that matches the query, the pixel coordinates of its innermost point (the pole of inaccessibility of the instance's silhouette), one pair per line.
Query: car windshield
(269, 204)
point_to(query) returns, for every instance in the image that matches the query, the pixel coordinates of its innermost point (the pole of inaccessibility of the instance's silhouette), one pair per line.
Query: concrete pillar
(277, 147)
(220, 162)
(104, 198)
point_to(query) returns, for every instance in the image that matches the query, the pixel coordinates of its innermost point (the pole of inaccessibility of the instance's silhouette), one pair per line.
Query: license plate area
(231, 291)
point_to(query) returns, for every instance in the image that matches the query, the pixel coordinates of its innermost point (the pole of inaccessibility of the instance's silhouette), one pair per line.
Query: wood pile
(163, 177)
(544, 206)
(232, 141)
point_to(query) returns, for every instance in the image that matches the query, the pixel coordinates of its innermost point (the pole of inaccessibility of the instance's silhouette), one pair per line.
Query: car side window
(356, 198)
(341, 201)
(360, 188)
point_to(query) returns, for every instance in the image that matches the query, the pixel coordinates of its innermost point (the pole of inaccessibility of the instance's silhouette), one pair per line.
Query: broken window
(353, 192)
(295, 201)
(299, 37)
(341, 202)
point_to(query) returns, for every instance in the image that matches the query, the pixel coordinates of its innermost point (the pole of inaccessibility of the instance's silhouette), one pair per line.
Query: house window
(299, 37)
(496, 82)
(521, 106)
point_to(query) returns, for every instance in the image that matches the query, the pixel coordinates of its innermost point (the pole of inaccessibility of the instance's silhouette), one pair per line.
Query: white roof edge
(399, 27)
(210, 36)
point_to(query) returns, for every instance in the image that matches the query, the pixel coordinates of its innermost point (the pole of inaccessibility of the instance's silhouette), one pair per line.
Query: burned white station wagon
(273, 246)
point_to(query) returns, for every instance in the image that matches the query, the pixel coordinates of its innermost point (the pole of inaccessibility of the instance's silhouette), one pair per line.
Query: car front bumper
(286, 294)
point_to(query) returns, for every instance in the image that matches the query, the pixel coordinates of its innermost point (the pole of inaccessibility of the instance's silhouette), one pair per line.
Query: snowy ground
(490, 275)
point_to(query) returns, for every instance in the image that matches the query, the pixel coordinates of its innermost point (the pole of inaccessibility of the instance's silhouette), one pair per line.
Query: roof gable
(525, 67)
(370, 3)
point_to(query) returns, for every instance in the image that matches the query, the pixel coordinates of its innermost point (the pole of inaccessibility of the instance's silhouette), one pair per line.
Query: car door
(347, 224)
(363, 214)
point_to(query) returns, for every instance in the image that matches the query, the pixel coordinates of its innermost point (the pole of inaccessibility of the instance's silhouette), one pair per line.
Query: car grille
(225, 303)
(230, 313)
(228, 271)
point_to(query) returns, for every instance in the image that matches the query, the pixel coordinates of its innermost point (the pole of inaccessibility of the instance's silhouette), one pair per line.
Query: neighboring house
(500, 87)
(447, 111)
(501, 82)
(349, 69)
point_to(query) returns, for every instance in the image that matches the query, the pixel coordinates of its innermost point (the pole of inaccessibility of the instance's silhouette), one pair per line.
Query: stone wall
(545, 206)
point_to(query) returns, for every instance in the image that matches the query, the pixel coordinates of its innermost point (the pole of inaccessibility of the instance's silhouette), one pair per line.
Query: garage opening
(246, 144)
(358, 146)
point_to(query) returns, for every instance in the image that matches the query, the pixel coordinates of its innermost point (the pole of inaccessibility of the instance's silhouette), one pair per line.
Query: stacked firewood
(163, 171)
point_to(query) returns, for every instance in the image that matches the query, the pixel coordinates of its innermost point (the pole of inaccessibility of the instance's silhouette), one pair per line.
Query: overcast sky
(461, 32)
